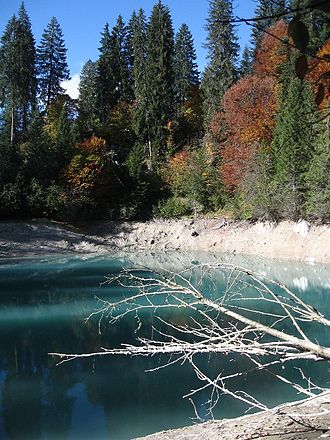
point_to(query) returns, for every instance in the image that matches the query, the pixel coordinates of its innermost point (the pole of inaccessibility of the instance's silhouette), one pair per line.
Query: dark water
(43, 306)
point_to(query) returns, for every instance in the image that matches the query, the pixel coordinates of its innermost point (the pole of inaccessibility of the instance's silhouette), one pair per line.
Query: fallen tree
(254, 318)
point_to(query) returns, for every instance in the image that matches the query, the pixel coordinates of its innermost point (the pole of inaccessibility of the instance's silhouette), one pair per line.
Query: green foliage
(293, 147)
(45, 201)
(52, 67)
(185, 68)
(173, 207)
(318, 180)
(12, 196)
(160, 81)
(17, 72)
(221, 71)
(258, 196)
(88, 98)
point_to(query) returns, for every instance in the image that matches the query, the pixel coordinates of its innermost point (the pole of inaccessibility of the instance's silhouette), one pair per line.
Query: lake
(43, 306)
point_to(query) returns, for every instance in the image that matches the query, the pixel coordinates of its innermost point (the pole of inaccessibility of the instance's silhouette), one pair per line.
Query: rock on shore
(284, 241)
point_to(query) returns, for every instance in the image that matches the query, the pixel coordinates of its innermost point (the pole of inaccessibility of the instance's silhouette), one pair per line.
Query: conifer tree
(317, 23)
(120, 61)
(246, 62)
(88, 97)
(293, 146)
(221, 71)
(17, 72)
(137, 43)
(106, 96)
(318, 179)
(267, 11)
(37, 158)
(160, 80)
(185, 67)
(52, 67)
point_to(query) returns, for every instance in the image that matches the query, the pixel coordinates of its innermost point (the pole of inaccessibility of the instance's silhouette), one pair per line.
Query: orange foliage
(89, 168)
(249, 114)
(92, 145)
(318, 69)
(271, 52)
(178, 166)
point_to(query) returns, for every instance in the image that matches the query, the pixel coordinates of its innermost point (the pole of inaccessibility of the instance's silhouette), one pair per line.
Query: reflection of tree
(22, 392)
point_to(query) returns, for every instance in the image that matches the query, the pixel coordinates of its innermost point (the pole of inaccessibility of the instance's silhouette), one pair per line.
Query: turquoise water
(43, 306)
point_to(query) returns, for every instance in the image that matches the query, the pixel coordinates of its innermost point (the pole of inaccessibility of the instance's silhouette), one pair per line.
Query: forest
(151, 136)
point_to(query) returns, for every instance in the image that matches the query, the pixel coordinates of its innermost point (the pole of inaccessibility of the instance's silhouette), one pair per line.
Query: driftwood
(221, 324)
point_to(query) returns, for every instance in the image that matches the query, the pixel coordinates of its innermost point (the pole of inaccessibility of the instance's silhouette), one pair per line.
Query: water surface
(43, 306)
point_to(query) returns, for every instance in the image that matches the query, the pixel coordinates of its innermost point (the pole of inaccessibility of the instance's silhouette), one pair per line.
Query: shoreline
(286, 241)
(307, 419)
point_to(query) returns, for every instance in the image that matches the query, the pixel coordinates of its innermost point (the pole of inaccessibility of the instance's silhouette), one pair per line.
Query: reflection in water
(43, 304)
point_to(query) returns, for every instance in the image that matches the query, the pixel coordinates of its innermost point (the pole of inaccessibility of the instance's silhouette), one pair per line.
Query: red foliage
(249, 114)
(319, 72)
(271, 52)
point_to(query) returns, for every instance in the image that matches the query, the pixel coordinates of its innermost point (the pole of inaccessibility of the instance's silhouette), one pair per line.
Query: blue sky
(82, 21)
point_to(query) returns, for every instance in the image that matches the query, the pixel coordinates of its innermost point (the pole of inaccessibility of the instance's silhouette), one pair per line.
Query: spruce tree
(221, 71)
(185, 67)
(293, 146)
(137, 43)
(318, 178)
(246, 62)
(17, 72)
(88, 97)
(52, 67)
(160, 80)
(37, 159)
(120, 61)
(267, 12)
(106, 94)
(317, 23)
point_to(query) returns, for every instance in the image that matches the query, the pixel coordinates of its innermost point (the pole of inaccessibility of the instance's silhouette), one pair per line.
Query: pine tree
(52, 67)
(160, 80)
(293, 146)
(17, 72)
(246, 62)
(270, 11)
(221, 71)
(185, 67)
(88, 97)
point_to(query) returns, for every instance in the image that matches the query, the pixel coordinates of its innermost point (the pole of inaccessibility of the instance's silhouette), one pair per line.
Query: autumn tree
(249, 108)
(266, 13)
(272, 52)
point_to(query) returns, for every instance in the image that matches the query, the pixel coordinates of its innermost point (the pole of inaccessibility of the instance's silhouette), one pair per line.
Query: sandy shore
(285, 241)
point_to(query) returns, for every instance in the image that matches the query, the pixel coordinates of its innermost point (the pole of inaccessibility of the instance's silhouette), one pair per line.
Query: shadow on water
(43, 306)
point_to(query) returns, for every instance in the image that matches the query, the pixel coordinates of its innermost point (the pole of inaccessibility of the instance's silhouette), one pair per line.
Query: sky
(82, 21)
